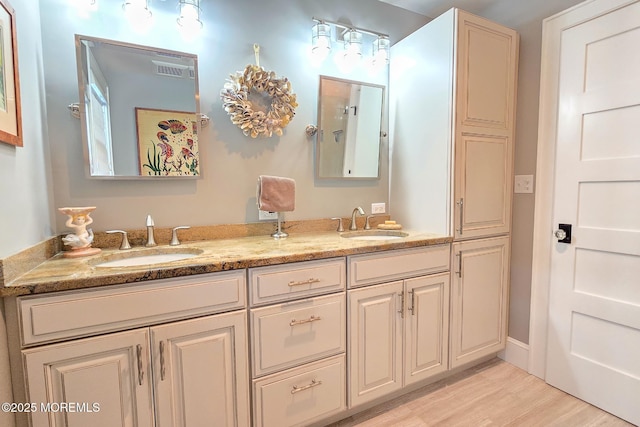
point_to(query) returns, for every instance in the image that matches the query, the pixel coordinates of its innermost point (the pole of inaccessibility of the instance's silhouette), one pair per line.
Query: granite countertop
(59, 273)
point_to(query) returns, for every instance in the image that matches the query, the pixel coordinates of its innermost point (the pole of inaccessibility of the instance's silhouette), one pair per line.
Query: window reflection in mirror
(349, 120)
(119, 80)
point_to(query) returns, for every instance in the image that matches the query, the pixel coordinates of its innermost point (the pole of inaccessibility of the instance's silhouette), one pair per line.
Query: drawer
(296, 280)
(290, 334)
(302, 395)
(396, 265)
(71, 314)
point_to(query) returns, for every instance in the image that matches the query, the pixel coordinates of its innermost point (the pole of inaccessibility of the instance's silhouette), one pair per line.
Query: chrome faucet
(151, 241)
(174, 235)
(353, 225)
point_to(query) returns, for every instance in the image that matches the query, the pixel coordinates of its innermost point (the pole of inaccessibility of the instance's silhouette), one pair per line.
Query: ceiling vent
(171, 70)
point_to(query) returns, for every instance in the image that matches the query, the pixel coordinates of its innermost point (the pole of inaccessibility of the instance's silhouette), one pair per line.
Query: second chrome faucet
(353, 225)
(151, 241)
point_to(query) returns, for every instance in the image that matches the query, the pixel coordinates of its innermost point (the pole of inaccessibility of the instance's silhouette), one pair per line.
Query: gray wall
(231, 162)
(24, 181)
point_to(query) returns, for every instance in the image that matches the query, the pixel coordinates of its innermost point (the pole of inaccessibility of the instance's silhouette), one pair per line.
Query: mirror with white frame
(349, 129)
(139, 110)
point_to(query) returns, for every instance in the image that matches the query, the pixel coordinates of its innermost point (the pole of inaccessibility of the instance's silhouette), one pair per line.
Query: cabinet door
(483, 185)
(201, 371)
(426, 327)
(479, 301)
(110, 371)
(375, 339)
(487, 66)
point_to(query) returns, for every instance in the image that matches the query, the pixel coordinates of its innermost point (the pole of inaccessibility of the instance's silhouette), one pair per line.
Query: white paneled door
(593, 341)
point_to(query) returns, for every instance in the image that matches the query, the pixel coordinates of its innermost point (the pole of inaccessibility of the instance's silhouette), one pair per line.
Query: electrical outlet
(523, 184)
(378, 208)
(267, 216)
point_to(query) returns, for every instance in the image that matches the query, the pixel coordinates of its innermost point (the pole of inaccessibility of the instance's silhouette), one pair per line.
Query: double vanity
(245, 330)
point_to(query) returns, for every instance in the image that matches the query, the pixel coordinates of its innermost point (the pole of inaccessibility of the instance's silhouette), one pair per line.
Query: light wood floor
(495, 393)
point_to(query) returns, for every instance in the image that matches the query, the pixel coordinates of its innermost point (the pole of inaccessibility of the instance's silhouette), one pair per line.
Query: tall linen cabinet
(452, 114)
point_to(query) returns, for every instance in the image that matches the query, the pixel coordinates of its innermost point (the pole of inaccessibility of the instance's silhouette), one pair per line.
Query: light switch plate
(267, 216)
(378, 208)
(523, 184)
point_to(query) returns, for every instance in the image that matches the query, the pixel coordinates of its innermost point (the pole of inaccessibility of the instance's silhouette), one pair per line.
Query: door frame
(543, 226)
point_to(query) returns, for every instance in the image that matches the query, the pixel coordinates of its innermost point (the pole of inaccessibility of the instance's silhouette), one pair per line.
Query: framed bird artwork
(167, 142)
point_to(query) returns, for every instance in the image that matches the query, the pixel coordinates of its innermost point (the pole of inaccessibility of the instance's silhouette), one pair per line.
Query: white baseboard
(516, 353)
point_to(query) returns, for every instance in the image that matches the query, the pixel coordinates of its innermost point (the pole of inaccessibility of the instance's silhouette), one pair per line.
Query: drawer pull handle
(295, 322)
(303, 282)
(140, 369)
(313, 383)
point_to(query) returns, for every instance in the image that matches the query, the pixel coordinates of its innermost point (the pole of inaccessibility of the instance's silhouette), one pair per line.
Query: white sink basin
(375, 235)
(150, 257)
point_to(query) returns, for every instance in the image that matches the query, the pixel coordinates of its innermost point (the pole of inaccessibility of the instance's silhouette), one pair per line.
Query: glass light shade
(352, 46)
(137, 11)
(381, 50)
(190, 15)
(321, 40)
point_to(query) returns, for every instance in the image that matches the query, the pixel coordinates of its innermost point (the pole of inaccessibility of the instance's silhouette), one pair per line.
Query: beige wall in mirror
(349, 129)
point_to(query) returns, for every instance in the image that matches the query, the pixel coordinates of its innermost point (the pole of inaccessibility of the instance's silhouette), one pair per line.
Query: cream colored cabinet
(290, 334)
(479, 299)
(160, 372)
(398, 335)
(398, 323)
(487, 63)
(483, 186)
(110, 371)
(375, 341)
(452, 167)
(426, 327)
(452, 161)
(301, 396)
(200, 371)
(190, 372)
(298, 345)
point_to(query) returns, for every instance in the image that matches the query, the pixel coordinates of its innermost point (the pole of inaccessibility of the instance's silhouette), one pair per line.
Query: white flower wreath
(245, 114)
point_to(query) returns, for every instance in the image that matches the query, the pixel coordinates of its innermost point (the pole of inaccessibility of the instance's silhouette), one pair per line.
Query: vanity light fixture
(352, 39)
(321, 40)
(137, 12)
(189, 22)
(381, 47)
(352, 45)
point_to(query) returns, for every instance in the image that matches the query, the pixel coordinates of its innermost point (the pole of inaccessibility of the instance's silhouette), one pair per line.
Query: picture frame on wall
(10, 108)
(167, 142)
